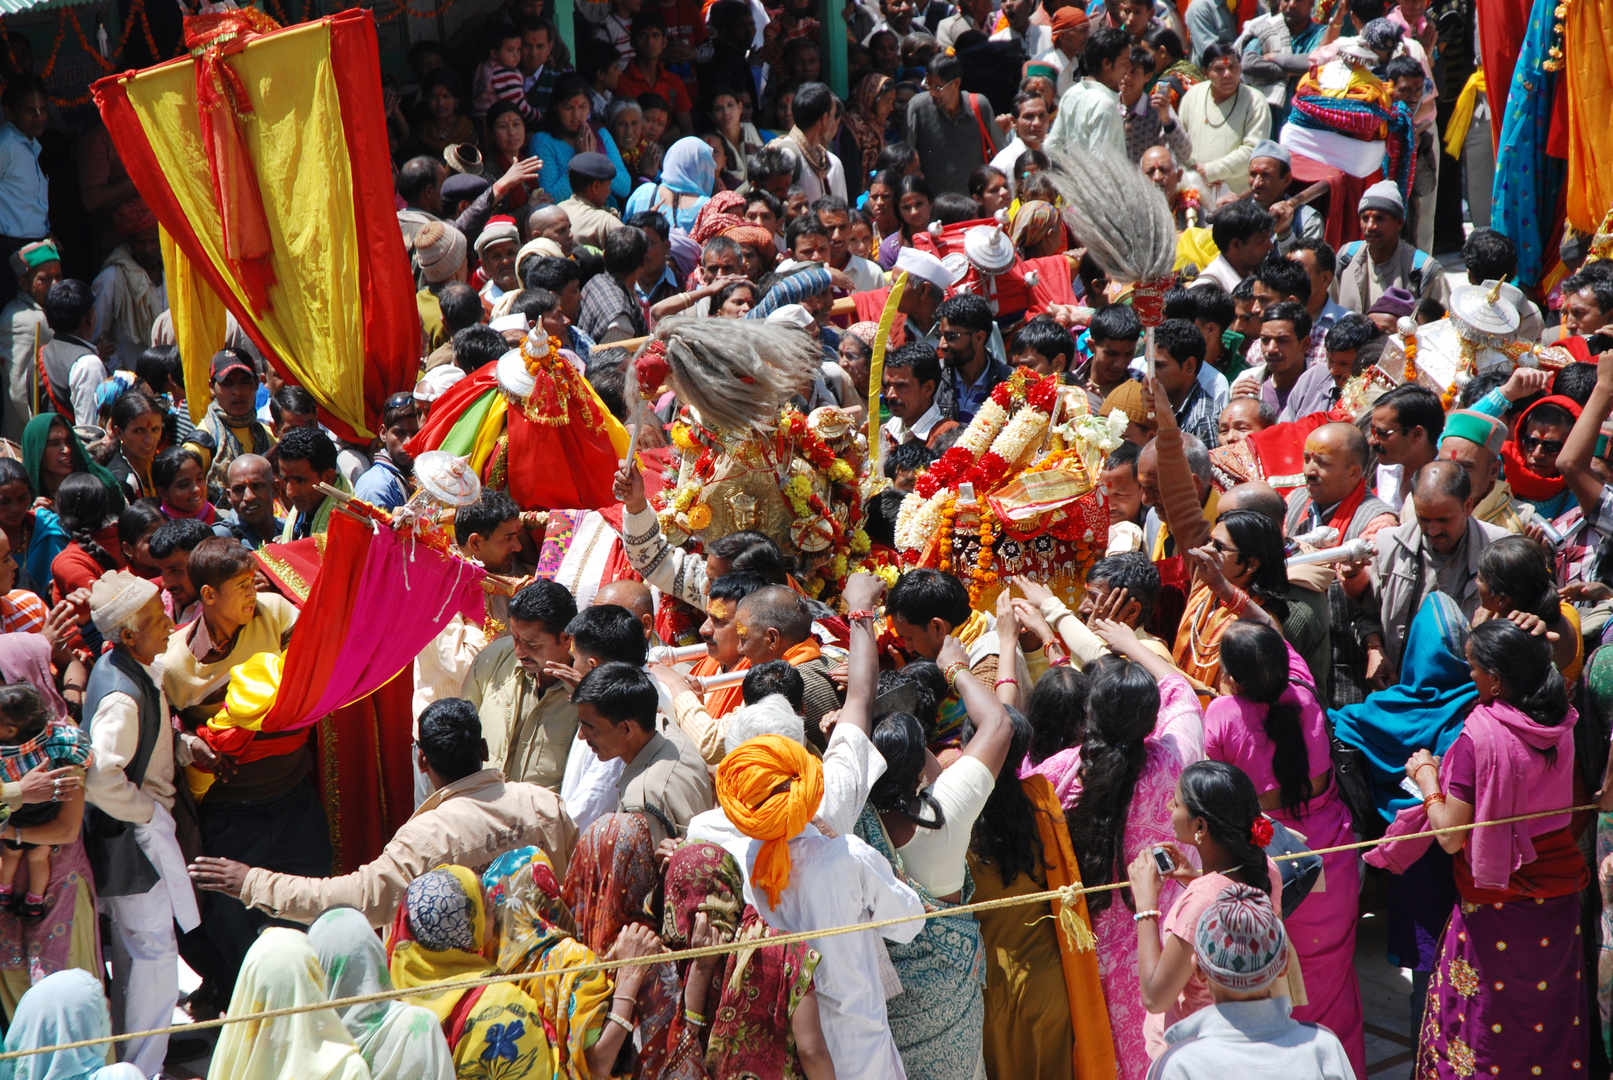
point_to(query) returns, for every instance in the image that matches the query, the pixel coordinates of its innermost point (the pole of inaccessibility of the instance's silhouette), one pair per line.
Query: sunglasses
(1550, 446)
(952, 335)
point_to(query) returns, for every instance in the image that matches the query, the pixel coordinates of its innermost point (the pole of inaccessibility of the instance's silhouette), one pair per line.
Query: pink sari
(1322, 928)
(1177, 742)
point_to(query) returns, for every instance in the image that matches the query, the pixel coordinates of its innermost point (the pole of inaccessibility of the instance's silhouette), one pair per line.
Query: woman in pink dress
(1270, 725)
(1143, 727)
(1215, 813)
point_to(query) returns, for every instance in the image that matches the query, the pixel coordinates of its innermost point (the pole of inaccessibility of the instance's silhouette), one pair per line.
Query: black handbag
(1299, 874)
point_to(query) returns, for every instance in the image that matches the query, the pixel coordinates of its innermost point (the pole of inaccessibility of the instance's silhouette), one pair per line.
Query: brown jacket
(469, 823)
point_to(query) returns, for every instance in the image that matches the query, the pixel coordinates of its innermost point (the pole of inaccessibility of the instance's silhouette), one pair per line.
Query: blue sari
(1528, 182)
(938, 1019)
(1423, 711)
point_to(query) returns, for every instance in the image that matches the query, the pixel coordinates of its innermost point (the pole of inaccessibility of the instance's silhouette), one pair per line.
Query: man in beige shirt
(527, 715)
(472, 817)
(591, 218)
(664, 778)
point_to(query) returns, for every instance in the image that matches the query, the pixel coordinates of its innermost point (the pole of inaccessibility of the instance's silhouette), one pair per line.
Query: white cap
(770, 716)
(434, 383)
(513, 321)
(115, 597)
(925, 267)
(791, 315)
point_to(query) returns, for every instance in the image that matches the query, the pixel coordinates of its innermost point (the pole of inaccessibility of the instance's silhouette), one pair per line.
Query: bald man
(1309, 626)
(1335, 495)
(635, 596)
(775, 624)
(552, 223)
(1438, 550)
(1473, 440)
(250, 519)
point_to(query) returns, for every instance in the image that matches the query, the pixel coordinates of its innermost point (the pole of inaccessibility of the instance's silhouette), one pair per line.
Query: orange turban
(747, 787)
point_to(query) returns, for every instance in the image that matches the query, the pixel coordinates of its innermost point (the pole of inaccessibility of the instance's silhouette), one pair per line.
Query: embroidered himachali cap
(1475, 427)
(1240, 943)
(31, 256)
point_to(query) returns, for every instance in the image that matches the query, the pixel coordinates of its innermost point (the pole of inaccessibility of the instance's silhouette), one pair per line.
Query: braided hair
(1121, 710)
(1254, 656)
(82, 506)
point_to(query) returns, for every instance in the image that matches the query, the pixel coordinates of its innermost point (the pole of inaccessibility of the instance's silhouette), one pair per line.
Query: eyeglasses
(1382, 434)
(952, 335)
(935, 87)
(1550, 446)
(1224, 549)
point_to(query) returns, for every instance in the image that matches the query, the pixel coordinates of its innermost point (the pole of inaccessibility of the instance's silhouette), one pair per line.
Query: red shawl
(1527, 484)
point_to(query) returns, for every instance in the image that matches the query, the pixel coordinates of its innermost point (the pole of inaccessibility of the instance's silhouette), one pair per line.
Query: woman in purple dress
(1508, 993)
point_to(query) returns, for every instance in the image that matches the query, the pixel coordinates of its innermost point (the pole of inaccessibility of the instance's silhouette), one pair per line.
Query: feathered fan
(1124, 221)
(734, 372)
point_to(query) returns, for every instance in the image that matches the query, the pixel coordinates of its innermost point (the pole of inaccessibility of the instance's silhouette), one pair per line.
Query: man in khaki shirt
(591, 219)
(472, 817)
(527, 715)
(664, 778)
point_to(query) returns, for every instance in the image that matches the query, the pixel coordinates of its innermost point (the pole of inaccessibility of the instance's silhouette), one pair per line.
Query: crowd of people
(1311, 376)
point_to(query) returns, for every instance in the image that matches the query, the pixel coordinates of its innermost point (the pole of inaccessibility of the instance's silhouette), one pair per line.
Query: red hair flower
(1261, 831)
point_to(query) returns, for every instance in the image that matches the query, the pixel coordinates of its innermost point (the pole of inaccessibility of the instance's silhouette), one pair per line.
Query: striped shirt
(21, 612)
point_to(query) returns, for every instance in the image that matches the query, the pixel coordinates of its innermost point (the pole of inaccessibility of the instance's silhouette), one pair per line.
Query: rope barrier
(1065, 895)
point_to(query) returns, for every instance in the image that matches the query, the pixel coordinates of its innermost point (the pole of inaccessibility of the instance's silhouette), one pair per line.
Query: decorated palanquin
(800, 483)
(531, 406)
(1017, 494)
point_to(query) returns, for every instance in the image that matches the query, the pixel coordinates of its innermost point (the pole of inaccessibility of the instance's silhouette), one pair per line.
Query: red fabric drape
(1502, 26)
(1344, 195)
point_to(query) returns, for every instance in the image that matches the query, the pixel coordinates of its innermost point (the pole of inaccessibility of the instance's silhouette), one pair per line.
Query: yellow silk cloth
(251, 694)
(1462, 115)
(1588, 66)
(295, 138)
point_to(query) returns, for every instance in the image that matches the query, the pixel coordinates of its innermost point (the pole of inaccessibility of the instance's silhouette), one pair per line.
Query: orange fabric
(222, 106)
(804, 653)
(719, 703)
(749, 783)
(1588, 38)
(1094, 1041)
(1198, 642)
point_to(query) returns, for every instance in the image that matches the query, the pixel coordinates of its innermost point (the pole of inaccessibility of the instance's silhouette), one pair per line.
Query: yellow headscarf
(280, 971)
(413, 964)
(748, 786)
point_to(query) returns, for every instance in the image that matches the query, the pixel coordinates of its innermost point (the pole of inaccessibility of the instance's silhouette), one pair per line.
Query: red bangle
(853, 616)
(1059, 661)
(1006, 682)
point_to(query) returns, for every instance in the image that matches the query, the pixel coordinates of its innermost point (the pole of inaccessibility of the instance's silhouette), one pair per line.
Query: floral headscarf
(755, 991)
(535, 935)
(610, 884)
(1034, 225)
